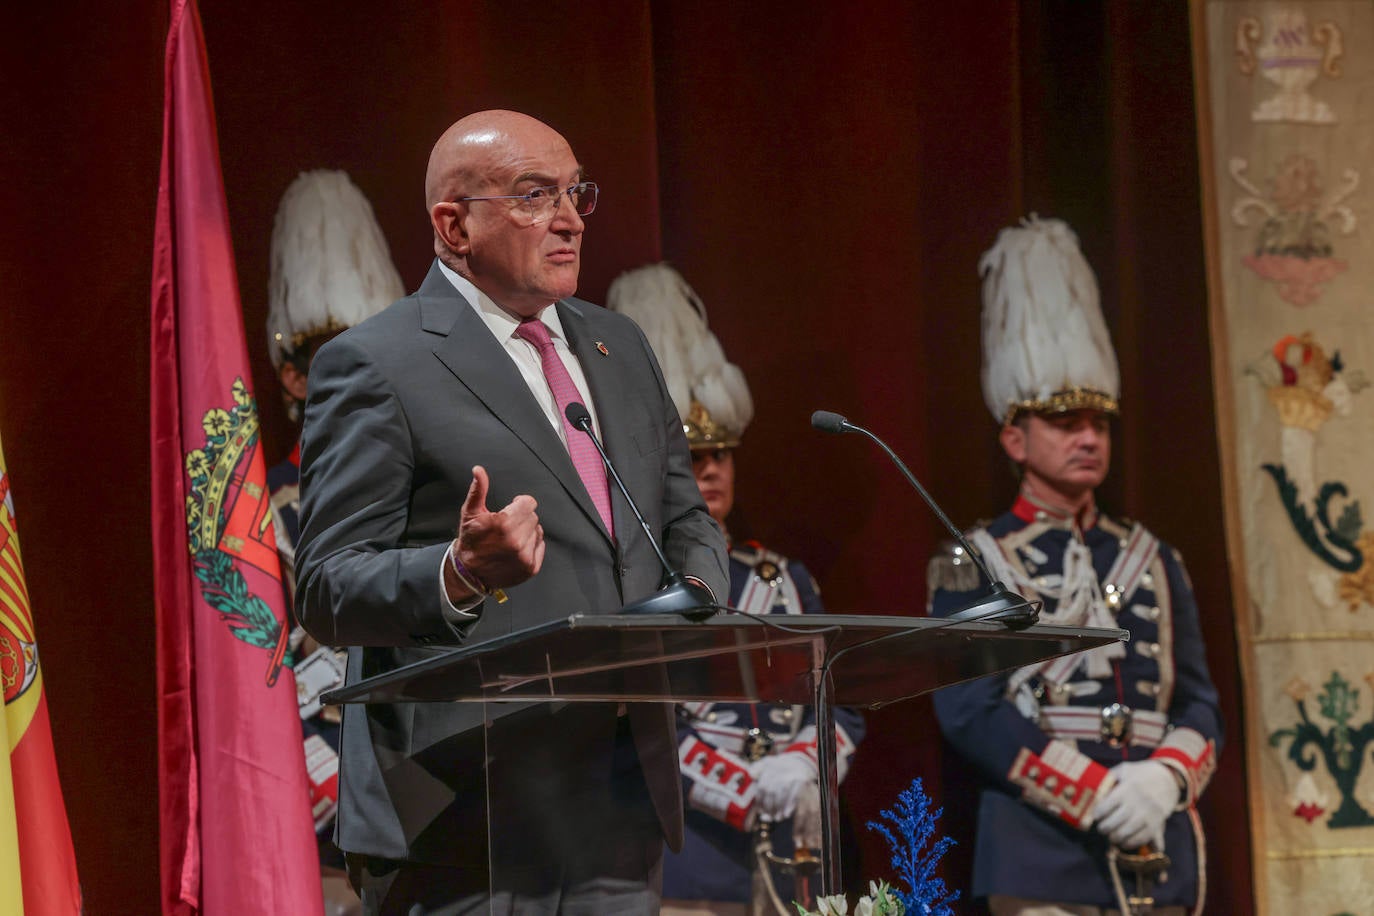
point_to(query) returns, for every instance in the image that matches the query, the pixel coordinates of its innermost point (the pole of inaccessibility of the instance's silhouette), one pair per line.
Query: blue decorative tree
(909, 828)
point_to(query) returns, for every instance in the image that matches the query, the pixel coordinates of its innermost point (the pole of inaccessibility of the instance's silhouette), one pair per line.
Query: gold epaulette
(951, 569)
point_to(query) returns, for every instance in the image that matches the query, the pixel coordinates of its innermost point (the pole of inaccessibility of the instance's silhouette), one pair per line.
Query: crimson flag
(237, 835)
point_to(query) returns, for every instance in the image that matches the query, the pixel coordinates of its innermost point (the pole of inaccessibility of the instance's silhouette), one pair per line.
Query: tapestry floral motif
(1307, 388)
(1342, 747)
(1293, 247)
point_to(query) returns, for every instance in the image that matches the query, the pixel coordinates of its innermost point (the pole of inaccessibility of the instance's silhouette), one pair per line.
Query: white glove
(779, 779)
(1134, 811)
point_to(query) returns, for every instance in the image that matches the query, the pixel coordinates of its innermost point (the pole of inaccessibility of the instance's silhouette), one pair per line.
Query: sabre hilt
(1149, 865)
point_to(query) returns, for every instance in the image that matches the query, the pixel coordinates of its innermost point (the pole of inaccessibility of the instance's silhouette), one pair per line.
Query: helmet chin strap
(1033, 486)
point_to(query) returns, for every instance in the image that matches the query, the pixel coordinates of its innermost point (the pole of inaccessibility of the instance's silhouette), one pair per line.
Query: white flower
(879, 902)
(834, 905)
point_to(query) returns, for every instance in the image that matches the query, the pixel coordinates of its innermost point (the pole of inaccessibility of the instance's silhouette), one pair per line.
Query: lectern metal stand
(820, 660)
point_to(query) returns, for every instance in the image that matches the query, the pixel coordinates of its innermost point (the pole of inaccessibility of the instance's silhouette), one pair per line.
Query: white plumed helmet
(711, 395)
(331, 267)
(1045, 344)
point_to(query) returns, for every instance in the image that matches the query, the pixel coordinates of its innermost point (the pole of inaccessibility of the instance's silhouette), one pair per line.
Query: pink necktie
(585, 457)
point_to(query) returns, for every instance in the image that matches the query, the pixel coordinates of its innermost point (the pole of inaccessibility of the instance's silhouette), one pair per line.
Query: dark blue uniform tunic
(1029, 843)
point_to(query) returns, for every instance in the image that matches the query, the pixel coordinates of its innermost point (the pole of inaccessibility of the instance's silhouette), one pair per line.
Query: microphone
(676, 595)
(1001, 604)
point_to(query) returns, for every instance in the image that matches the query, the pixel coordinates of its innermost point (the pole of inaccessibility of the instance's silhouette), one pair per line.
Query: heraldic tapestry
(1286, 111)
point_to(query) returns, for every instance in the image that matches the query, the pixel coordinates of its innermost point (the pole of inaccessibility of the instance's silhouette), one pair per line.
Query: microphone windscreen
(828, 422)
(577, 415)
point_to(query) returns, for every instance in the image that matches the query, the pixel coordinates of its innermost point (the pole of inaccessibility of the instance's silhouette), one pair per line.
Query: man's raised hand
(500, 548)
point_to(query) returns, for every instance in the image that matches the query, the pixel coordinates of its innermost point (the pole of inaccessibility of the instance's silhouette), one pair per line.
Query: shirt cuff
(693, 580)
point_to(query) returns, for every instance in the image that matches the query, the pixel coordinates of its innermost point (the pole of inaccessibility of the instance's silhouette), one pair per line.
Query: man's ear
(1013, 439)
(293, 380)
(449, 218)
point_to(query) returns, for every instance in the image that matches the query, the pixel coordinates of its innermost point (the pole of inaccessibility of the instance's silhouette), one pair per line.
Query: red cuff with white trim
(722, 784)
(322, 766)
(1192, 757)
(1061, 781)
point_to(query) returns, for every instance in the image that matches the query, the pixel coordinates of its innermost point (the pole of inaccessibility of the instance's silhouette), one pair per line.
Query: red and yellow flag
(237, 835)
(37, 864)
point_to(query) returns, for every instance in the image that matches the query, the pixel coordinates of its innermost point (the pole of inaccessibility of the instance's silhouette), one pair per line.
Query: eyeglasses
(542, 203)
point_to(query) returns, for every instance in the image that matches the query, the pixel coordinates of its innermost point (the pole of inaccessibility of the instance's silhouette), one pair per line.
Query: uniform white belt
(1146, 727)
(726, 737)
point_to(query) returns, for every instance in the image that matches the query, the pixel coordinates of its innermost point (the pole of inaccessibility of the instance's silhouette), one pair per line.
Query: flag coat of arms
(237, 835)
(37, 863)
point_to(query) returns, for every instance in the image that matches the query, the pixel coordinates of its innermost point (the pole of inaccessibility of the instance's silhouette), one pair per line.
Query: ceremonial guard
(1093, 762)
(748, 770)
(330, 269)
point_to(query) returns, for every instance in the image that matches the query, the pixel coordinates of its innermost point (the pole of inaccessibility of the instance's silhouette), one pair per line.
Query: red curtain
(825, 176)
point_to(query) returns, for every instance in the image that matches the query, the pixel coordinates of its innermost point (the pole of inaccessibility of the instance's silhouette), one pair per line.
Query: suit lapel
(467, 348)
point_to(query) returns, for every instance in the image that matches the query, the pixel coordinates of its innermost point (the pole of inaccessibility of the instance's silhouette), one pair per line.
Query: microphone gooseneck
(1014, 610)
(677, 596)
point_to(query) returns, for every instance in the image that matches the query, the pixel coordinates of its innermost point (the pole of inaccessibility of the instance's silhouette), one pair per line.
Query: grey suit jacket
(400, 409)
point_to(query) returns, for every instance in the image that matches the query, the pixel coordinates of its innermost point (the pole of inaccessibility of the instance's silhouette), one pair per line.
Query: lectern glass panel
(593, 695)
(873, 660)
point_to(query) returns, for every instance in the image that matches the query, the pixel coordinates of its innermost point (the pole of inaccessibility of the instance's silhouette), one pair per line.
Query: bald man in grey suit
(436, 479)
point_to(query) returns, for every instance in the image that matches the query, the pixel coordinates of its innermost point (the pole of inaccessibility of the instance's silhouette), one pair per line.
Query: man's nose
(565, 217)
(1091, 436)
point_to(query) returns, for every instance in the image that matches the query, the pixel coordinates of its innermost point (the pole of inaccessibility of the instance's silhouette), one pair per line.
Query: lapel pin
(602, 348)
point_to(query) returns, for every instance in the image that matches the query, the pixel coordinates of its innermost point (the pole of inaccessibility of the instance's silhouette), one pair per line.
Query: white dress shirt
(525, 355)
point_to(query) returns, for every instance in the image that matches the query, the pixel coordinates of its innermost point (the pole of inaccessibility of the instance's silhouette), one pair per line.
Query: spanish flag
(37, 864)
(237, 835)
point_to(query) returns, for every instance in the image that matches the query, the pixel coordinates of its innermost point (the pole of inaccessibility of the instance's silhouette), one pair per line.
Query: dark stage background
(825, 175)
